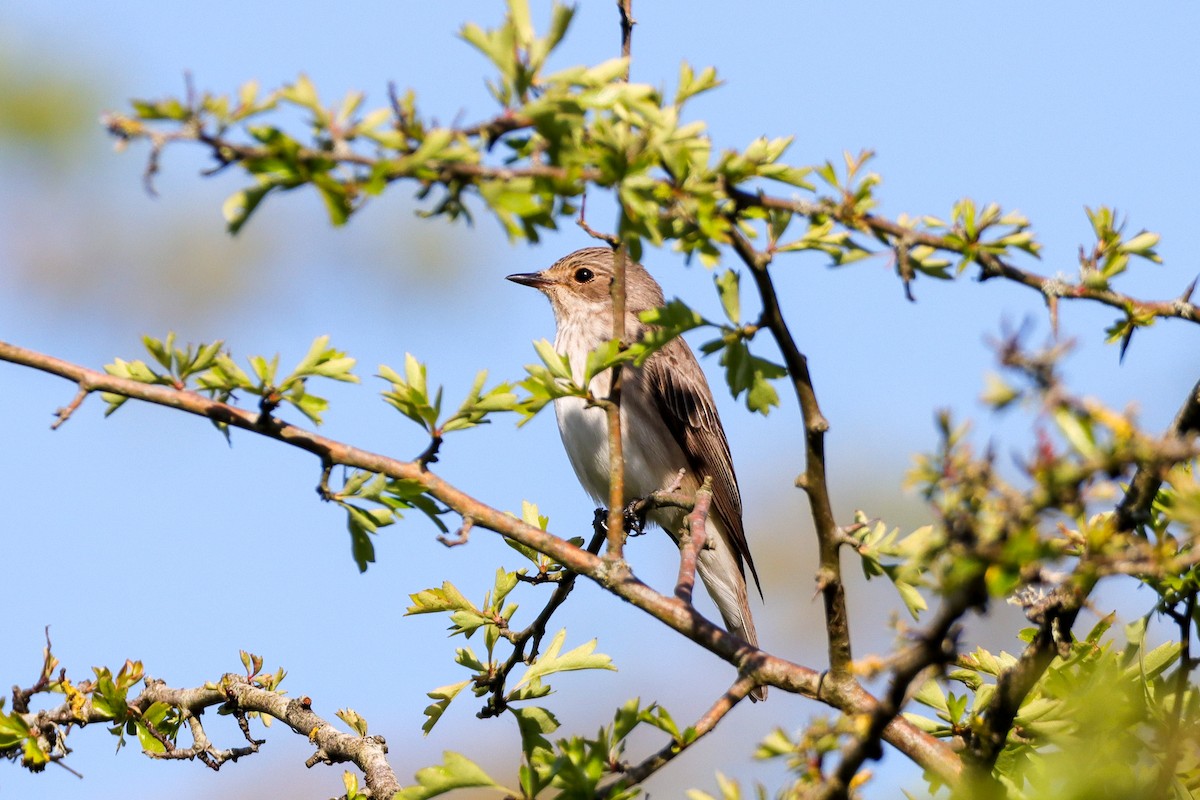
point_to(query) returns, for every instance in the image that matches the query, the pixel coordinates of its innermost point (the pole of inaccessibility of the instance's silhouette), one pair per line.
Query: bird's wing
(687, 407)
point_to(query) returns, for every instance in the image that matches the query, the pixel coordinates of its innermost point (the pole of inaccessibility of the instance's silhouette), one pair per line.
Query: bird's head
(579, 283)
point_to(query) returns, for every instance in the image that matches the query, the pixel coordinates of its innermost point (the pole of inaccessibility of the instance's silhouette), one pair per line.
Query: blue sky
(145, 536)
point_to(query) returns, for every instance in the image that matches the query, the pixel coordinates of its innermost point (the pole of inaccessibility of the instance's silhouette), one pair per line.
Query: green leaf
(558, 364)
(750, 374)
(727, 287)
(441, 697)
(550, 661)
(458, 772)
(913, 600)
(239, 206)
(447, 598)
(931, 695)
(360, 525)
(354, 720)
(336, 197)
(691, 84)
(534, 723)
(12, 729)
(603, 357)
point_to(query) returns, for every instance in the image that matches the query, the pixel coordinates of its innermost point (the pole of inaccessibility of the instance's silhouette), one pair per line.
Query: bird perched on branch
(669, 421)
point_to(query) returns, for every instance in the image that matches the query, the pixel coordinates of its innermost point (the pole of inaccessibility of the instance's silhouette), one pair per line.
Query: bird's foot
(635, 518)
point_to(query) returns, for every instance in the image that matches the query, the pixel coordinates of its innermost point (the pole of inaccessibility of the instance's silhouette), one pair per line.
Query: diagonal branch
(934, 647)
(656, 761)
(762, 667)
(532, 635)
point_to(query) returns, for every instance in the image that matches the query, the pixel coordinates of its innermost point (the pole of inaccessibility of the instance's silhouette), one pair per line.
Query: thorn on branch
(1186, 297)
(1125, 340)
(612, 240)
(401, 120)
(189, 88)
(461, 535)
(57, 761)
(904, 268)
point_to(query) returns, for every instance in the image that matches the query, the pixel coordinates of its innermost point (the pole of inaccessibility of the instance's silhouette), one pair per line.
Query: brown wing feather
(689, 412)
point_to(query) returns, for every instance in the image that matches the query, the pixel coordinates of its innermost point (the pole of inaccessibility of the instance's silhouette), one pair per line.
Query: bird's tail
(722, 575)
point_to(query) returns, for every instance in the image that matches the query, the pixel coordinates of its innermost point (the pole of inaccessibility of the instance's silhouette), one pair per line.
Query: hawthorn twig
(64, 413)
(461, 536)
(533, 634)
(691, 542)
(656, 761)
(237, 692)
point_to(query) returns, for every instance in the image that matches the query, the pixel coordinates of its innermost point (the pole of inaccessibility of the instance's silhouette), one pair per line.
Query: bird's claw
(635, 518)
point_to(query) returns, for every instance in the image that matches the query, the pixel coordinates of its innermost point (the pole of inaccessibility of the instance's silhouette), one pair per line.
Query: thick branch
(764, 668)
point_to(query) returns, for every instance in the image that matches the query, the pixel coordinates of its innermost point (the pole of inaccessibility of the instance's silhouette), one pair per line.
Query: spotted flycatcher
(669, 421)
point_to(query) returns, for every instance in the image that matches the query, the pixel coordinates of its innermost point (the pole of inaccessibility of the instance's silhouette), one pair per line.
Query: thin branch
(430, 454)
(582, 222)
(692, 541)
(643, 770)
(625, 7)
(936, 646)
(764, 668)
(1134, 508)
(612, 408)
(1056, 617)
(532, 635)
(813, 481)
(64, 413)
(461, 536)
(991, 265)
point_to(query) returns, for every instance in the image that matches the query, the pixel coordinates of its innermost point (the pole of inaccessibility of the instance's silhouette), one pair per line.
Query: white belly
(652, 457)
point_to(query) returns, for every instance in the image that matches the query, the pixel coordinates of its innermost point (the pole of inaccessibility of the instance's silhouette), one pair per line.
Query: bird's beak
(535, 279)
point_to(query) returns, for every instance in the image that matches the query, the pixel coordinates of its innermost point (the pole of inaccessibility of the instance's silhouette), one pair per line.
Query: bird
(670, 429)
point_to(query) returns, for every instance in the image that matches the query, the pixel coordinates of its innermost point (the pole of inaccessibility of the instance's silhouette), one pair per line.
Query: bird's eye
(583, 275)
